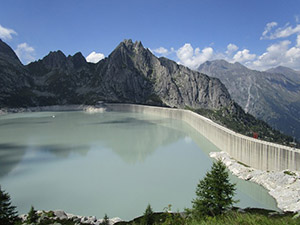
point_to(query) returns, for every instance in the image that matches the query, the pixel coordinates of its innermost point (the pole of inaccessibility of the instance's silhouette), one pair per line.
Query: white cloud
(94, 57)
(231, 48)
(278, 54)
(268, 28)
(243, 56)
(6, 33)
(280, 32)
(298, 41)
(161, 51)
(25, 53)
(193, 58)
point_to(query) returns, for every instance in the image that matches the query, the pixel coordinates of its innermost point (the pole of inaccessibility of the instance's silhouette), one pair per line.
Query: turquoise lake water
(111, 162)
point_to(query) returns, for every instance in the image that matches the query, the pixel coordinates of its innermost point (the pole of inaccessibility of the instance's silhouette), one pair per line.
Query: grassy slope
(252, 217)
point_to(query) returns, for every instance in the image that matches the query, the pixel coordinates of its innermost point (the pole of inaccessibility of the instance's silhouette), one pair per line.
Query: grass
(230, 218)
(235, 218)
(287, 172)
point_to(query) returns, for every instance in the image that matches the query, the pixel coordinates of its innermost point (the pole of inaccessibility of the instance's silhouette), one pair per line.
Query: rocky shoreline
(58, 215)
(283, 186)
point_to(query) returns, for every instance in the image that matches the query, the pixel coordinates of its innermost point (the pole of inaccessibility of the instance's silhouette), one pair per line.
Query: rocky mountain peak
(54, 59)
(129, 46)
(78, 60)
(7, 52)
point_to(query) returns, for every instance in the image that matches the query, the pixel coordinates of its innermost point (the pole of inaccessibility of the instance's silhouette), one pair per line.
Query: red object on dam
(255, 135)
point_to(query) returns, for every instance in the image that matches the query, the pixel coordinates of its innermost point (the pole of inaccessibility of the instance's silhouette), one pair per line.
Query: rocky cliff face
(14, 77)
(130, 74)
(137, 75)
(272, 97)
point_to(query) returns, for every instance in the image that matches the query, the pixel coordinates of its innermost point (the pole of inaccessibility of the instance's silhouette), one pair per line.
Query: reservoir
(112, 162)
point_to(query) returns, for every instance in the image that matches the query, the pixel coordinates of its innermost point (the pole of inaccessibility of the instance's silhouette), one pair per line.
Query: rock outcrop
(284, 186)
(57, 216)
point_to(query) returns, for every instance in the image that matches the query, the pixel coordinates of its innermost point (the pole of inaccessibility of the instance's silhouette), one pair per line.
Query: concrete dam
(253, 152)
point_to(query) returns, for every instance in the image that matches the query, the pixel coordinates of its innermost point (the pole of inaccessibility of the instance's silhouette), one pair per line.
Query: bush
(172, 218)
(214, 193)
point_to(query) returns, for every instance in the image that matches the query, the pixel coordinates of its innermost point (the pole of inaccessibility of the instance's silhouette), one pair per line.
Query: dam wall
(253, 152)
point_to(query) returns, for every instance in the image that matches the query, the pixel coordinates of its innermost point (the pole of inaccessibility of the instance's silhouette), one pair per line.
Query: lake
(111, 162)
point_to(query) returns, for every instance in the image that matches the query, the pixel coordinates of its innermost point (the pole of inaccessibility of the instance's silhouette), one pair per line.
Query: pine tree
(214, 193)
(105, 220)
(32, 216)
(148, 216)
(8, 213)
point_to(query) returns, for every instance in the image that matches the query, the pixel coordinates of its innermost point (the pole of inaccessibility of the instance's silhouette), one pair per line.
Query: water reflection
(10, 156)
(133, 139)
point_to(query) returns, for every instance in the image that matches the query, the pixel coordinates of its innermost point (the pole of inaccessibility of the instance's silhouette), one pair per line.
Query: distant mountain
(130, 74)
(288, 72)
(272, 97)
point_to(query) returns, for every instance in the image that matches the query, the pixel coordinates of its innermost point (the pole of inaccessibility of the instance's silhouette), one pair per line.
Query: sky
(260, 34)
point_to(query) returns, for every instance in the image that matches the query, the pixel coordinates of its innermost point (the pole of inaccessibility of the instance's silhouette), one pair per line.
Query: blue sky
(189, 32)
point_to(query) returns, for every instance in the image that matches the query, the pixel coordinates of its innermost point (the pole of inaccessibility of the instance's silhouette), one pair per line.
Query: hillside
(271, 97)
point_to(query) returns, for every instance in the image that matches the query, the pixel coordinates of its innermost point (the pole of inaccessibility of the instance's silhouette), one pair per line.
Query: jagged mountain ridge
(272, 97)
(130, 74)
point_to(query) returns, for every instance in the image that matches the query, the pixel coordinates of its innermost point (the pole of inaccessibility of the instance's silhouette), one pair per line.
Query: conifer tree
(148, 216)
(8, 213)
(105, 220)
(214, 193)
(32, 216)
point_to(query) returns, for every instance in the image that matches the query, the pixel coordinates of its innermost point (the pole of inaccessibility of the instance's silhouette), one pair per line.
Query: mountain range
(273, 95)
(130, 74)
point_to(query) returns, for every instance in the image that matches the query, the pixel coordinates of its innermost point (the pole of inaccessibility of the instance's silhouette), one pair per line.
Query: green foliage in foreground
(8, 213)
(105, 220)
(214, 193)
(32, 216)
(235, 218)
(147, 218)
(228, 218)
